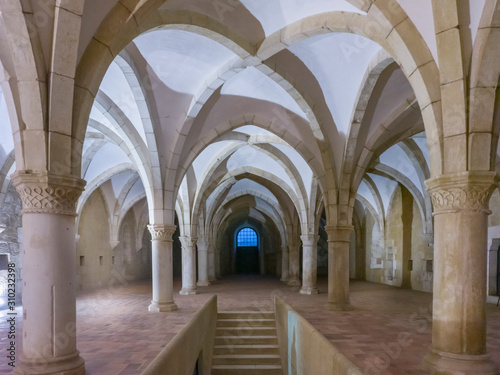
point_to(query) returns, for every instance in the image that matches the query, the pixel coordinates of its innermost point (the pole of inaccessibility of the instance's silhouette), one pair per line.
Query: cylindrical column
(294, 262)
(309, 264)
(211, 263)
(161, 247)
(284, 262)
(202, 245)
(49, 274)
(339, 238)
(460, 202)
(188, 265)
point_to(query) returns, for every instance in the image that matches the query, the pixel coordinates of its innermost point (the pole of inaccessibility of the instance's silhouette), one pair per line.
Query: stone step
(246, 359)
(245, 331)
(246, 340)
(246, 370)
(246, 349)
(252, 315)
(261, 322)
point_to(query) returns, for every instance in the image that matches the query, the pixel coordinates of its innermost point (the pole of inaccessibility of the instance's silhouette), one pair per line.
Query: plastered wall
(401, 254)
(98, 263)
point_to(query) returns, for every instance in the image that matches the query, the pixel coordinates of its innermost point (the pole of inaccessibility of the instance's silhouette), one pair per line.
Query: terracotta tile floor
(116, 334)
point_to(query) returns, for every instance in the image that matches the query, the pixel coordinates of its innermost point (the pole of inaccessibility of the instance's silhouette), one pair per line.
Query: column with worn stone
(460, 202)
(284, 262)
(211, 262)
(161, 247)
(309, 264)
(49, 273)
(294, 263)
(339, 238)
(188, 265)
(202, 245)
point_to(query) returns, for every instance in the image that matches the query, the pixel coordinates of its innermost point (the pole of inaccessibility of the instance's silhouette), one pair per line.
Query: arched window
(247, 237)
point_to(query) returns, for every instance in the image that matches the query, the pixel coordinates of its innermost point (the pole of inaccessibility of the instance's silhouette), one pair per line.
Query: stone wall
(98, 264)
(403, 255)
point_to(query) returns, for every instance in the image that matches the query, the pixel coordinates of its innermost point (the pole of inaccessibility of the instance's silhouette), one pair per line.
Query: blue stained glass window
(247, 237)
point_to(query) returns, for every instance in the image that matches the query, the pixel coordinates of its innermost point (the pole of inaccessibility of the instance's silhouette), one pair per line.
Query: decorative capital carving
(465, 191)
(47, 193)
(188, 241)
(161, 232)
(339, 233)
(309, 239)
(203, 243)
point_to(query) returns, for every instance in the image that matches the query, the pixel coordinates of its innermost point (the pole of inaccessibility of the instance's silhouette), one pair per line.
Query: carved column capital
(203, 243)
(339, 233)
(464, 191)
(308, 239)
(161, 232)
(47, 193)
(188, 241)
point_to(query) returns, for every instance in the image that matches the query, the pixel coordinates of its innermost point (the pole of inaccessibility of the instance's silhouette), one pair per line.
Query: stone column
(211, 262)
(339, 238)
(294, 262)
(284, 262)
(309, 264)
(203, 262)
(460, 202)
(161, 247)
(188, 265)
(49, 273)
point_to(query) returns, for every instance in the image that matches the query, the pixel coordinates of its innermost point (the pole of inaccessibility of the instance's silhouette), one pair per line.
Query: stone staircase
(246, 343)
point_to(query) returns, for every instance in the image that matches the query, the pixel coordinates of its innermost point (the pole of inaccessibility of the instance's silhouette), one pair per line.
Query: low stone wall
(194, 343)
(304, 350)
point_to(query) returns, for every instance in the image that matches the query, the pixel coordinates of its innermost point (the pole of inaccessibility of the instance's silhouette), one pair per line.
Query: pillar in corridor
(284, 262)
(203, 262)
(211, 262)
(309, 264)
(294, 264)
(188, 265)
(163, 288)
(339, 238)
(49, 273)
(460, 202)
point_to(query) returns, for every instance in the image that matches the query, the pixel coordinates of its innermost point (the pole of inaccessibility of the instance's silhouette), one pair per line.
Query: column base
(284, 279)
(162, 306)
(294, 281)
(187, 292)
(204, 283)
(339, 306)
(443, 363)
(68, 365)
(309, 290)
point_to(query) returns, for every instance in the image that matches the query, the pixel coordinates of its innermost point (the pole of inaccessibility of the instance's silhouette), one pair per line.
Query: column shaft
(211, 263)
(161, 246)
(203, 263)
(459, 300)
(339, 238)
(309, 264)
(49, 274)
(188, 266)
(294, 262)
(284, 263)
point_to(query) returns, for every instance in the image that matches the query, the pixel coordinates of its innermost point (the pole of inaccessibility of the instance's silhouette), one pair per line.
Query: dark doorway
(247, 252)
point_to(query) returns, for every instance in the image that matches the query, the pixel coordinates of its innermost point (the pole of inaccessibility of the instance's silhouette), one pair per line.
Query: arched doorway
(247, 251)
